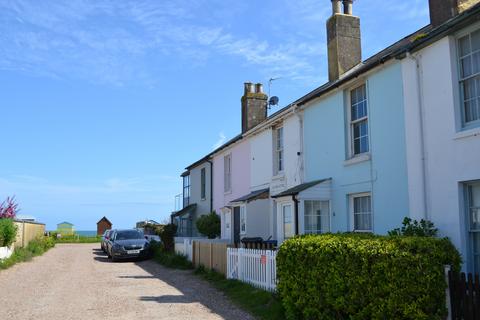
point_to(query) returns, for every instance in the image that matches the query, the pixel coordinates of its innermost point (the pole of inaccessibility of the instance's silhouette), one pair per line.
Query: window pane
(466, 64)
(476, 62)
(287, 221)
(464, 45)
(362, 213)
(475, 38)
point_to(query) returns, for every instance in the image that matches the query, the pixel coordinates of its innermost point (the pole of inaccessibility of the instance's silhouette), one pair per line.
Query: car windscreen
(128, 235)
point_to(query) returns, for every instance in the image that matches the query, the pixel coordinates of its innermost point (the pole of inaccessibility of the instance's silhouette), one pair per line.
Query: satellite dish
(273, 101)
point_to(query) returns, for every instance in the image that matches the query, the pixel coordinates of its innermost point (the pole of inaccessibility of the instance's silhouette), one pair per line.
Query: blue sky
(103, 103)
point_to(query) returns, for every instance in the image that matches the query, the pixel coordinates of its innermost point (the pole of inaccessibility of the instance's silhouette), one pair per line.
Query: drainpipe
(421, 111)
(295, 201)
(300, 152)
(211, 185)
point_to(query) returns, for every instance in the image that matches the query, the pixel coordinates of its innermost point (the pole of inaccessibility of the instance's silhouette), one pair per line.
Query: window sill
(467, 133)
(357, 159)
(279, 176)
(227, 192)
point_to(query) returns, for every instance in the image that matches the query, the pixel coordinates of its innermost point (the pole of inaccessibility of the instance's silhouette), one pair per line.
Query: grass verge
(262, 304)
(170, 259)
(36, 247)
(78, 239)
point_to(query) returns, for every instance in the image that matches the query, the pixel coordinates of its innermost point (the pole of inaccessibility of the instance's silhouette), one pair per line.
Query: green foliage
(35, 247)
(260, 303)
(166, 235)
(77, 239)
(8, 232)
(209, 225)
(424, 228)
(169, 259)
(360, 276)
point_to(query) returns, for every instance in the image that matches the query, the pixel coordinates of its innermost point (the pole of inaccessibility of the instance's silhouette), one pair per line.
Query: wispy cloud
(112, 42)
(221, 140)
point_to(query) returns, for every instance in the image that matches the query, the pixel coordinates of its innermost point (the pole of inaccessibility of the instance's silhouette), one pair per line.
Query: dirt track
(77, 281)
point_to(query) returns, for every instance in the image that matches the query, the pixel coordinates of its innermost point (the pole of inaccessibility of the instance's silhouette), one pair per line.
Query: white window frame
(352, 213)
(305, 214)
(227, 173)
(458, 57)
(279, 156)
(350, 124)
(243, 219)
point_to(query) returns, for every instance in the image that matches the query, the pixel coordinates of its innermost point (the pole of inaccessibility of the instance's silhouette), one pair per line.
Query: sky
(103, 103)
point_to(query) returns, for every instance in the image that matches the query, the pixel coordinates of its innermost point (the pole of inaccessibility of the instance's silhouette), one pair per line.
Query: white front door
(285, 221)
(227, 225)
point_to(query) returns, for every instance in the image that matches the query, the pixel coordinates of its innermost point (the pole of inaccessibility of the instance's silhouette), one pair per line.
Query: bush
(35, 247)
(353, 276)
(166, 234)
(424, 228)
(169, 259)
(8, 232)
(209, 225)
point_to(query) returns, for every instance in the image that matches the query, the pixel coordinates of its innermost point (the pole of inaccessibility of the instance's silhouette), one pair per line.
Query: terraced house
(395, 135)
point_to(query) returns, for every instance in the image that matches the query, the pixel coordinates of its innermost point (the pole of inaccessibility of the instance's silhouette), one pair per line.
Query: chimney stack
(343, 39)
(254, 106)
(443, 10)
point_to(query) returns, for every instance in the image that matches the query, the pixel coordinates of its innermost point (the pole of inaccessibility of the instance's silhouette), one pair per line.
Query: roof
(254, 195)
(104, 219)
(223, 146)
(185, 210)
(65, 222)
(411, 43)
(297, 189)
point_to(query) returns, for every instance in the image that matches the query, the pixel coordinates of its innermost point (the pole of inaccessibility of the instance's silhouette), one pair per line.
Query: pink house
(231, 180)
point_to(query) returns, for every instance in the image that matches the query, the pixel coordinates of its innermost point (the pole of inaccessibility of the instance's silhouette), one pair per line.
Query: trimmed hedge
(355, 276)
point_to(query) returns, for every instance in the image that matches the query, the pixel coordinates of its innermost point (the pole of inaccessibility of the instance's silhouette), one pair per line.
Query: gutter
(295, 201)
(211, 184)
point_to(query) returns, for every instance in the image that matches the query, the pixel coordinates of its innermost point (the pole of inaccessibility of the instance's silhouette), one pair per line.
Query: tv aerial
(272, 101)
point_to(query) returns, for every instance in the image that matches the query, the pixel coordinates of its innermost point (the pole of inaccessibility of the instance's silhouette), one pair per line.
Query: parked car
(128, 244)
(152, 237)
(105, 237)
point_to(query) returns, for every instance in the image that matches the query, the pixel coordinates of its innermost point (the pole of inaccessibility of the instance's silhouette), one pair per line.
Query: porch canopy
(188, 209)
(300, 188)
(254, 195)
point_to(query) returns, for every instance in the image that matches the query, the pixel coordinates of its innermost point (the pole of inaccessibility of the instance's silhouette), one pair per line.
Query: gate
(464, 296)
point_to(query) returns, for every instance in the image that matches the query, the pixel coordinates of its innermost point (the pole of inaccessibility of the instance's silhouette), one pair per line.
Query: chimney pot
(336, 7)
(259, 88)
(249, 88)
(348, 7)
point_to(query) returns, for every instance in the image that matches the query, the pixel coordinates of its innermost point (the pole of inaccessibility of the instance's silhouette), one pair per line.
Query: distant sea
(86, 233)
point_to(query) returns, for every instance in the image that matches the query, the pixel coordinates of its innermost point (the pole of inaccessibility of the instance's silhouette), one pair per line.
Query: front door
(236, 224)
(473, 208)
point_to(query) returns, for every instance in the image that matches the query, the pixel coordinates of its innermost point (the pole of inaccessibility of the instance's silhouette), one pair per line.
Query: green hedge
(352, 276)
(8, 232)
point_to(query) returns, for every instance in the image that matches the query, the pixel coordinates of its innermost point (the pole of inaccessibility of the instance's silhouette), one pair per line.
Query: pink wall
(240, 174)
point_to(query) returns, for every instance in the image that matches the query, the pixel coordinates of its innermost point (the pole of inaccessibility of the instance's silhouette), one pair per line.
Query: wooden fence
(27, 231)
(257, 267)
(211, 255)
(464, 296)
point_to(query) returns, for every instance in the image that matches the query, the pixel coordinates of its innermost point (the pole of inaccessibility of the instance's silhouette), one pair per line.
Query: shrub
(169, 259)
(8, 208)
(424, 228)
(351, 276)
(209, 225)
(34, 248)
(8, 232)
(166, 234)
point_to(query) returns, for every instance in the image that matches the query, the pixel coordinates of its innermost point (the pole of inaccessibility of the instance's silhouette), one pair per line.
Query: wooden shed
(102, 225)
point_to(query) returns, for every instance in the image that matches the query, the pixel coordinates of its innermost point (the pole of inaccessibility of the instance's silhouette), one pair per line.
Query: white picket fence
(257, 267)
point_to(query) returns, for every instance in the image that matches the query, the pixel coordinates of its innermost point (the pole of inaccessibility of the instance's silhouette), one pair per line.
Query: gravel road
(77, 281)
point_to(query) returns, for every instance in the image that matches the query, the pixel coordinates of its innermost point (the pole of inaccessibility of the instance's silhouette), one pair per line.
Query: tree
(209, 225)
(166, 234)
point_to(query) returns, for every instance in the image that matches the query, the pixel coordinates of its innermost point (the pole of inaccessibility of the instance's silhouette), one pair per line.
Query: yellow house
(65, 228)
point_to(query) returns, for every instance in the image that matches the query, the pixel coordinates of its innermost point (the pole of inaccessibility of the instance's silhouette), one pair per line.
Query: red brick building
(102, 225)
